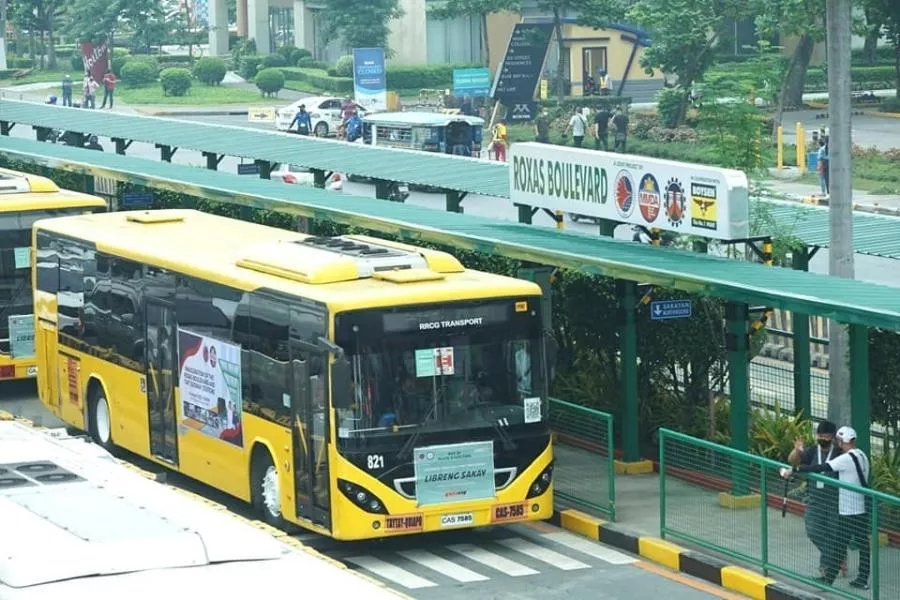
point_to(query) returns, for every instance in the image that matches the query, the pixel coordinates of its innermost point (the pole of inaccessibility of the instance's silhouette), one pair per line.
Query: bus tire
(99, 421)
(265, 489)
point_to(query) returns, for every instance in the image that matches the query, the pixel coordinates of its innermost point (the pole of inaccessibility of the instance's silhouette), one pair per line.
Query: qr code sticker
(532, 408)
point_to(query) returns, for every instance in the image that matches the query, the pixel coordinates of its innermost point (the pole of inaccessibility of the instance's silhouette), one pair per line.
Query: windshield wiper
(411, 442)
(508, 443)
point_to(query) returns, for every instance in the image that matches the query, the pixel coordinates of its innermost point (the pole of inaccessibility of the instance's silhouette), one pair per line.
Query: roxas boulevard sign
(680, 197)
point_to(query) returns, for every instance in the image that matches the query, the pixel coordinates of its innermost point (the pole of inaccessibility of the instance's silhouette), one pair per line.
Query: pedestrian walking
(620, 122)
(499, 140)
(302, 120)
(822, 164)
(821, 516)
(67, 90)
(578, 125)
(109, 88)
(601, 128)
(853, 520)
(89, 91)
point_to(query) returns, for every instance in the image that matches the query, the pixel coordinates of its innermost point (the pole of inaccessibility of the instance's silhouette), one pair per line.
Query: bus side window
(96, 305)
(270, 362)
(126, 317)
(47, 263)
(70, 296)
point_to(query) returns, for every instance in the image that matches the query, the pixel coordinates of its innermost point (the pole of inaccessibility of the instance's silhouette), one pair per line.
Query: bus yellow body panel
(79, 366)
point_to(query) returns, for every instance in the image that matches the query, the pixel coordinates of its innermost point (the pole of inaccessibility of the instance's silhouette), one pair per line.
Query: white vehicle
(78, 524)
(303, 176)
(324, 112)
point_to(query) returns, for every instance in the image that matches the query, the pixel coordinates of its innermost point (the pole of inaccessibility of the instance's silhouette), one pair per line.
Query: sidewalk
(787, 185)
(695, 511)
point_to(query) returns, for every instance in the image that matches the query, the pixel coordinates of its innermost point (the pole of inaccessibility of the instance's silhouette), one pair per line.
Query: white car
(301, 175)
(324, 112)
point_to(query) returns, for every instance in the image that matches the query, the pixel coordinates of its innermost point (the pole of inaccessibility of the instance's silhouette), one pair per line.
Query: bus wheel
(100, 424)
(266, 490)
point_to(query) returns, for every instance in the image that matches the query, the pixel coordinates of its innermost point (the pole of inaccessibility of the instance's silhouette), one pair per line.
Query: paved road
(523, 562)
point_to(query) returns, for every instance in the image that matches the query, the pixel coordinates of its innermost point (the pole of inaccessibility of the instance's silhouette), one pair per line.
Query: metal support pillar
(802, 359)
(627, 294)
(121, 145)
(6, 127)
(88, 185)
(454, 200)
(543, 276)
(265, 169)
(607, 227)
(319, 178)
(382, 189)
(526, 213)
(701, 246)
(737, 344)
(213, 160)
(41, 133)
(860, 408)
(166, 152)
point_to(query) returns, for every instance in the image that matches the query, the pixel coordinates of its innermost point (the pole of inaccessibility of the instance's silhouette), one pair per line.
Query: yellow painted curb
(641, 467)
(885, 115)
(661, 552)
(580, 523)
(276, 533)
(727, 500)
(5, 416)
(745, 581)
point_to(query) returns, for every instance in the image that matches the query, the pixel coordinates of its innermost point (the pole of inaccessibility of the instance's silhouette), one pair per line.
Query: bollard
(801, 148)
(560, 220)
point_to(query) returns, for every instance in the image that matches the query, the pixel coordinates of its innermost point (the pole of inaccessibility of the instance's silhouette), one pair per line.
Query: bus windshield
(457, 373)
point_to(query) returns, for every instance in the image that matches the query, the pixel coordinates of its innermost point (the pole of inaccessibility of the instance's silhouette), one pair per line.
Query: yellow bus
(353, 386)
(24, 199)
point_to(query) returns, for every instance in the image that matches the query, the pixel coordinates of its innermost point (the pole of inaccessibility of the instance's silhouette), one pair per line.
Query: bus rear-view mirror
(341, 384)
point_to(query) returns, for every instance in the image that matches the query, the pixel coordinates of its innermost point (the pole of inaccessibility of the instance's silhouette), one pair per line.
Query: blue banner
(471, 82)
(370, 78)
(454, 473)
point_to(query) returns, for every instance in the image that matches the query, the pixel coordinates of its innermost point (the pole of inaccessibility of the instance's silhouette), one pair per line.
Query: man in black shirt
(601, 128)
(542, 128)
(620, 121)
(822, 501)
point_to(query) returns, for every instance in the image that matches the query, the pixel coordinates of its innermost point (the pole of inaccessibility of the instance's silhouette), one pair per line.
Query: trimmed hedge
(210, 70)
(883, 55)
(861, 77)
(407, 77)
(308, 62)
(320, 79)
(274, 61)
(270, 81)
(170, 59)
(18, 62)
(8, 73)
(249, 65)
(175, 81)
(570, 102)
(138, 72)
(889, 105)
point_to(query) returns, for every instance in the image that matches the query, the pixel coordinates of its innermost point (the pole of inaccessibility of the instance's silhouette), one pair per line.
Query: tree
(360, 24)
(98, 20)
(801, 19)
(481, 9)
(685, 34)
(40, 16)
(887, 12)
(4, 7)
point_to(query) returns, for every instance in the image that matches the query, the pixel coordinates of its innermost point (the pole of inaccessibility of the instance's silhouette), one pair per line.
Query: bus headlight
(362, 497)
(541, 482)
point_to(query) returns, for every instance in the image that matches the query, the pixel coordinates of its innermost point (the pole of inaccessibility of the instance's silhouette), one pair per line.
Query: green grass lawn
(39, 77)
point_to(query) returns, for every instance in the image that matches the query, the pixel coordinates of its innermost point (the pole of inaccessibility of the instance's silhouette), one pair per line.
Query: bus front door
(311, 481)
(162, 361)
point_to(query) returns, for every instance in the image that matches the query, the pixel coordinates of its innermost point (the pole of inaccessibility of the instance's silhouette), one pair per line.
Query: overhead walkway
(849, 301)
(874, 235)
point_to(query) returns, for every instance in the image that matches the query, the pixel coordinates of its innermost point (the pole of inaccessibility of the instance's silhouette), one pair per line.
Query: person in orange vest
(499, 140)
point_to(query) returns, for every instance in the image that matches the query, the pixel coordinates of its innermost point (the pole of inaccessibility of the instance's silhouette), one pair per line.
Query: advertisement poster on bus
(209, 375)
(684, 198)
(96, 58)
(454, 473)
(21, 336)
(370, 79)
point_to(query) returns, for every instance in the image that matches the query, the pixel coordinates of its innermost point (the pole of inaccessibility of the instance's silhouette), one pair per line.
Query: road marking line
(544, 554)
(442, 565)
(590, 548)
(391, 572)
(702, 586)
(494, 561)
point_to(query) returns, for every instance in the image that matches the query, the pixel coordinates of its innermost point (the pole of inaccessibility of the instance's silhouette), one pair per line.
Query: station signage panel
(669, 195)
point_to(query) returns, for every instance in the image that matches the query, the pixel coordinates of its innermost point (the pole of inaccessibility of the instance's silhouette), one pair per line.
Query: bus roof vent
(148, 217)
(369, 258)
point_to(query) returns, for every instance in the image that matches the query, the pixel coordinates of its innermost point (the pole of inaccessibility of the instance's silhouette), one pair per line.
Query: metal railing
(584, 473)
(737, 504)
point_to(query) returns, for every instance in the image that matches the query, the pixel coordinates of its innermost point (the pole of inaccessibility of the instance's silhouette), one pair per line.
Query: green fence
(738, 505)
(584, 474)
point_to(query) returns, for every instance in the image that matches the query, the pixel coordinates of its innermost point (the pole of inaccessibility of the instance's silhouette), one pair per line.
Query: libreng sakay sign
(674, 196)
